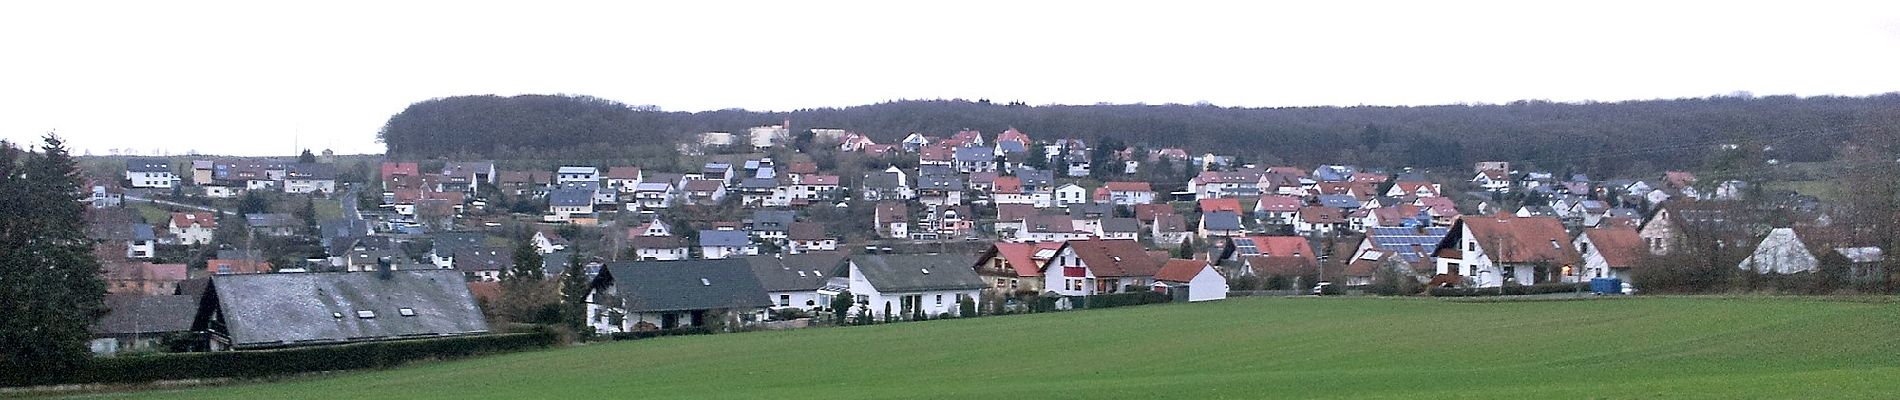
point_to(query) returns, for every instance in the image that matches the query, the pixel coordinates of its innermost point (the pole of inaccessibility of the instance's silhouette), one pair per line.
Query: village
(767, 229)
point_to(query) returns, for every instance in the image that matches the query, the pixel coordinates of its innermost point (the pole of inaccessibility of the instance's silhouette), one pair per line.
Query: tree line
(1602, 138)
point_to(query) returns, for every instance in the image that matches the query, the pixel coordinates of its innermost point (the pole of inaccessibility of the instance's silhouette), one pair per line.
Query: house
(1190, 280)
(1278, 209)
(975, 159)
(548, 242)
(966, 138)
(1609, 252)
(1414, 189)
(143, 278)
(937, 155)
(1493, 180)
(390, 170)
(245, 312)
(1389, 247)
(912, 286)
(771, 224)
(1129, 193)
(576, 174)
(150, 173)
(703, 191)
(890, 184)
(474, 172)
(653, 195)
(805, 237)
(1220, 224)
(138, 323)
(1317, 220)
(660, 248)
(274, 224)
(310, 178)
(1012, 269)
(235, 266)
(1674, 224)
(1119, 229)
(1070, 193)
(484, 263)
(652, 295)
(655, 227)
(1218, 184)
(769, 135)
(624, 179)
(1492, 250)
(715, 244)
(1334, 173)
(914, 142)
(792, 281)
(141, 243)
(1050, 228)
(1096, 266)
(564, 204)
(1169, 230)
(893, 219)
(107, 194)
(940, 190)
(1782, 252)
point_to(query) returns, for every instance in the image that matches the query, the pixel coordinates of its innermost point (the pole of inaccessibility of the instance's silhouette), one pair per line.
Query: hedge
(263, 363)
(636, 335)
(1120, 299)
(1511, 290)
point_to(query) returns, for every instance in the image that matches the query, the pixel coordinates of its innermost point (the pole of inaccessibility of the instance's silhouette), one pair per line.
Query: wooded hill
(1601, 138)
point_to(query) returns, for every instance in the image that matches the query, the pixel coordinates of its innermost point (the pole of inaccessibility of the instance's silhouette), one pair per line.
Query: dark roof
(881, 180)
(311, 171)
(271, 220)
(771, 220)
(1036, 178)
(757, 183)
(724, 238)
(917, 272)
(1110, 258)
(656, 242)
(807, 231)
(684, 285)
(935, 182)
(1120, 225)
(482, 258)
(265, 310)
(129, 314)
(1221, 220)
(570, 198)
(142, 232)
(973, 154)
(447, 243)
(795, 272)
(147, 165)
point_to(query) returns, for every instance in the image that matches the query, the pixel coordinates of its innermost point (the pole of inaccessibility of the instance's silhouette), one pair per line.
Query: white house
(793, 281)
(1493, 180)
(150, 173)
(1489, 250)
(193, 228)
(1196, 278)
(906, 286)
(1094, 266)
(659, 248)
(1070, 194)
(1782, 252)
(1129, 193)
(1609, 252)
(715, 244)
(650, 295)
(576, 174)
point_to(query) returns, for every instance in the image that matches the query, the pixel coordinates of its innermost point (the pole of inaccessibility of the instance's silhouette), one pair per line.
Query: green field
(1245, 348)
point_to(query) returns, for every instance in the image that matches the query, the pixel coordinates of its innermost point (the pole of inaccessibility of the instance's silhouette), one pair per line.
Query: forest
(1600, 137)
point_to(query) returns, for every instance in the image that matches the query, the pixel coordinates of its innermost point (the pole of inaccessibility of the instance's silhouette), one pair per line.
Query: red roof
(1521, 239)
(1620, 246)
(803, 167)
(204, 219)
(1178, 270)
(1012, 135)
(238, 266)
(1280, 203)
(1321, 215)
(970, 137)
(937, 153)
(1289, 171)
(1019, 256)
(1148, 212)
(1128, 187)
(831, 180)
(623, 173)
(703, 185)
(1284, 247)
(400, 168)
(1007, 184)
(1114, 258)
(1439, 206)
(1226, 204)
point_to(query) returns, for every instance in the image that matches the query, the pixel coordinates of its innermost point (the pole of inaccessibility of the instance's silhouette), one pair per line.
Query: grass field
(1244, 348)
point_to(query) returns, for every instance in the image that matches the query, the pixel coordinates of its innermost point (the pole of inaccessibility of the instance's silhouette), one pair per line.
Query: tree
(1038, 158)
(306, 157)
(524, 294)
(574, 288)
(527, 264)
(253, 203)
(50, 288)
(841, 306)
(309, 213)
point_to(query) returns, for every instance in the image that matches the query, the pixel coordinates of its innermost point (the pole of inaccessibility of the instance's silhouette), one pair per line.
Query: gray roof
(935, 182)
(570, 198)
(1121, 225)
(311, 171)
(147, 165)
(129, 314)
(266, 310)
(1221, 220)
(271, 220)
(554, 264)
(795, 272)
(771, 220)
(758, 183)
(917, 272)
(1338, 201)
(973, 154)
(1036, 178)
(447, 243)
(591, 186)
(484, 258)
(644, 286)
(724, 238)
(1098, 209)
(881, 180)
(143, 232)
(1011, 146)
(937, 170)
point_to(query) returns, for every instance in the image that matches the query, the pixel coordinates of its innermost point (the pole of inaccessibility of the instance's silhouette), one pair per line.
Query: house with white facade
(150, 173)
(793, 280)
(576, 174)
(1070, 193)
(725, 244)
(193, 227)
(1609, 252)
(1489, 251)
(1095, 266)
(653, 295)
(1129, 193)
(1191, 280)
(310, 178)
(909, 286)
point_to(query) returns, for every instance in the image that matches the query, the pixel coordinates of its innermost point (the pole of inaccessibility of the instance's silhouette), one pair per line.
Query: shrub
(261, 363)
(1120, 299)
(636, 335)
(1510, 290)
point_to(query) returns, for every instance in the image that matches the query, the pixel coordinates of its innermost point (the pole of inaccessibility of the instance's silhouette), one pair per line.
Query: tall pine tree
(574, 288)
(50, 288)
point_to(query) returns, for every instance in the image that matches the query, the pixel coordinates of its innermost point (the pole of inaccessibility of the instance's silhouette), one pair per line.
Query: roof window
(705, 282)
(926, 271)
(406, 311)
(365, 314)
(336, 315)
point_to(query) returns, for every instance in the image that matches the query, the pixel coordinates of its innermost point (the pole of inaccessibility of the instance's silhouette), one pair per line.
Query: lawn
(1243, 348)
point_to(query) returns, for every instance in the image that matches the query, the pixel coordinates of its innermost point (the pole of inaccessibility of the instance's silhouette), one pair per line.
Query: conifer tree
(50, 287)
(574, 288)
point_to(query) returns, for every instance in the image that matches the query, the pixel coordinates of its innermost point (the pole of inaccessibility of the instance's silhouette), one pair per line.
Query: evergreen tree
(309, 212)
(50, 288)
(253, 203)
(527, 265)
(841, 306)
(1038, 158)
(574, 288)
(306, 157)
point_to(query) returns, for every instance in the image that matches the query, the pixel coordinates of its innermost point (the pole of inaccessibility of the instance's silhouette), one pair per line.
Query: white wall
(1207, 285)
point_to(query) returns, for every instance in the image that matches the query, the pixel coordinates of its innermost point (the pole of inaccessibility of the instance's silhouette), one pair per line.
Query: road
(181, 205)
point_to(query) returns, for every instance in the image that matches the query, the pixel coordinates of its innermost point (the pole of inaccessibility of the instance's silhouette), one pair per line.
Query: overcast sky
(260, 78)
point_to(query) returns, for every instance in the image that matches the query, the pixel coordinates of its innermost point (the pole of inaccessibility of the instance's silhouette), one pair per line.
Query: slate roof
(1036, 179)
(773, 220)
(975, 154)
(935, 182)
(130, 314)
(1120, 225)
(1010, 146)
(1341, 201)
(270, 310)
(651, 286)
(147, 165)
(271, 220)
(142, 232)
(570, 198)
(1221, 220)
(795, 272)
(917, 272)
(483, 258)
(311, 171)
(718, 238)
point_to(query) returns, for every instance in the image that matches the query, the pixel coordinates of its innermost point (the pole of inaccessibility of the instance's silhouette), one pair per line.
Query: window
(940, 299)
(336, 315)
(1583, 247)
(1471, 246)
(784, 300)
(365, 314)
(406, 312)
(864, 299)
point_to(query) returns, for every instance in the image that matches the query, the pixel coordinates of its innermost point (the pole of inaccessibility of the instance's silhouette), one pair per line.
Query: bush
(1120, 299)
(262, 363)
(1511, 290)
(636, 335)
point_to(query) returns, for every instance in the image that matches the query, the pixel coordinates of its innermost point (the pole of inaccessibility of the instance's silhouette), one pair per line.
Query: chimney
(383, 269)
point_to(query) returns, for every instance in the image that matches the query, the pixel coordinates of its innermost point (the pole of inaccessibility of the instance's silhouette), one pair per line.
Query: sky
(268, 78)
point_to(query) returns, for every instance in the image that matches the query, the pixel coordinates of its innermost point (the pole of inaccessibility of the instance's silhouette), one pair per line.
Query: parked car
(1323, 288)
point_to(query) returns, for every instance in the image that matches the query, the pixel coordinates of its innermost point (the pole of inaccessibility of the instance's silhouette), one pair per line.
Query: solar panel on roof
(1246, 246)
